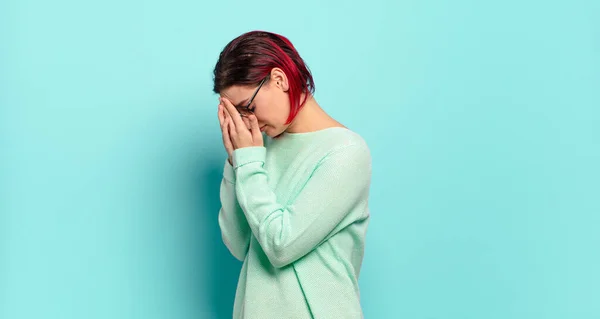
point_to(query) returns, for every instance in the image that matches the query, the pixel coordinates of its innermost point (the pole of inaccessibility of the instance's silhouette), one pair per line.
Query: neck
(310, 118)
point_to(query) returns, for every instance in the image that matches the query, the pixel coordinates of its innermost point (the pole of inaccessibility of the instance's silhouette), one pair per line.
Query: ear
(279, 79)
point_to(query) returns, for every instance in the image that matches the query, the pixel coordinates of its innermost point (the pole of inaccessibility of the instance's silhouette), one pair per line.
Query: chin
(270, 134)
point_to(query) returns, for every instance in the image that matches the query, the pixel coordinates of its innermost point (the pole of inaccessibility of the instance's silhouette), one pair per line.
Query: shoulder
(314, 148)
(341, 139)
(346, 149)
(346, 155)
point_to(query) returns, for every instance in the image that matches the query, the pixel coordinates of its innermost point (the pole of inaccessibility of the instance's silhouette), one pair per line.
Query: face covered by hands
(237, 131)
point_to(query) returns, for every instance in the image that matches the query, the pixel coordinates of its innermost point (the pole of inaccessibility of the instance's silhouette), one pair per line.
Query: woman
(294, 201)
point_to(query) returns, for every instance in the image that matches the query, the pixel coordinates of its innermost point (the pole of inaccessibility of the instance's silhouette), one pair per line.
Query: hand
(223, 121)
(241, 133)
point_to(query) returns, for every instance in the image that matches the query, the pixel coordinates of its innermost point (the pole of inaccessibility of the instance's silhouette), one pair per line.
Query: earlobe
(282, 85)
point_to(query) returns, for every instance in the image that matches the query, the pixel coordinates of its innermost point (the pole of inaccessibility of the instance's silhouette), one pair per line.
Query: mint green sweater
(296, 213)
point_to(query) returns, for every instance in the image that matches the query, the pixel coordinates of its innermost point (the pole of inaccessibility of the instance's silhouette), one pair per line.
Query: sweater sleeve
(334, 196)
(235, 231)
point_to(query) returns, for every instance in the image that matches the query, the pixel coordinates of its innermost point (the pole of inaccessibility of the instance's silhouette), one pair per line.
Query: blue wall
(483, 119)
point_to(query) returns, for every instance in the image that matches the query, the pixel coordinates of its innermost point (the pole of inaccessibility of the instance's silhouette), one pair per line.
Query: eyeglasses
(245, 110)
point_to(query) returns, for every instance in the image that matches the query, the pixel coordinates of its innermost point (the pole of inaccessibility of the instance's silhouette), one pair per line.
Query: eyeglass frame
(247, 107)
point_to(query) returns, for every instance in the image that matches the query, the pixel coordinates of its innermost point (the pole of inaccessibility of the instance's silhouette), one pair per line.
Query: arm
(235, 231)
(334, 196)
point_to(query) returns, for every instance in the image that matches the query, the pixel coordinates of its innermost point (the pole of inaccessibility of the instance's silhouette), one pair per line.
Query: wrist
(245, 155)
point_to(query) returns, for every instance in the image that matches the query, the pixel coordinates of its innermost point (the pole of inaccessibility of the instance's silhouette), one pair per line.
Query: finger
(226, 114)
(233, 113)
(224, 117)
(247, 122)
(255, 129)
(226, 139)
(220, 114)
(232, 130)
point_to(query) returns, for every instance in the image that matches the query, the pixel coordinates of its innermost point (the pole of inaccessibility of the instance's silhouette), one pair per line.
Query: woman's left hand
(238, 131)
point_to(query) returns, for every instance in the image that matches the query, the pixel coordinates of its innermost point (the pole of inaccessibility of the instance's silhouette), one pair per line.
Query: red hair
(250, 57)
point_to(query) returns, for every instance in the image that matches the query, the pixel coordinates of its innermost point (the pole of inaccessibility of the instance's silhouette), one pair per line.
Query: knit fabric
(295, 212)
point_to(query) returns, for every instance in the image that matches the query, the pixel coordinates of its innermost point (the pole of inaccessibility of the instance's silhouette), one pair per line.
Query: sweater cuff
(228, 172)
(247, 155)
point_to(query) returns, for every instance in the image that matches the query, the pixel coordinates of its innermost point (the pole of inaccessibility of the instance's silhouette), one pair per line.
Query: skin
(271, 108)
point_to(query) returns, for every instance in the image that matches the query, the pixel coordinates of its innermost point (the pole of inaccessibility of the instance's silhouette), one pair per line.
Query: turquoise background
(483, 119)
